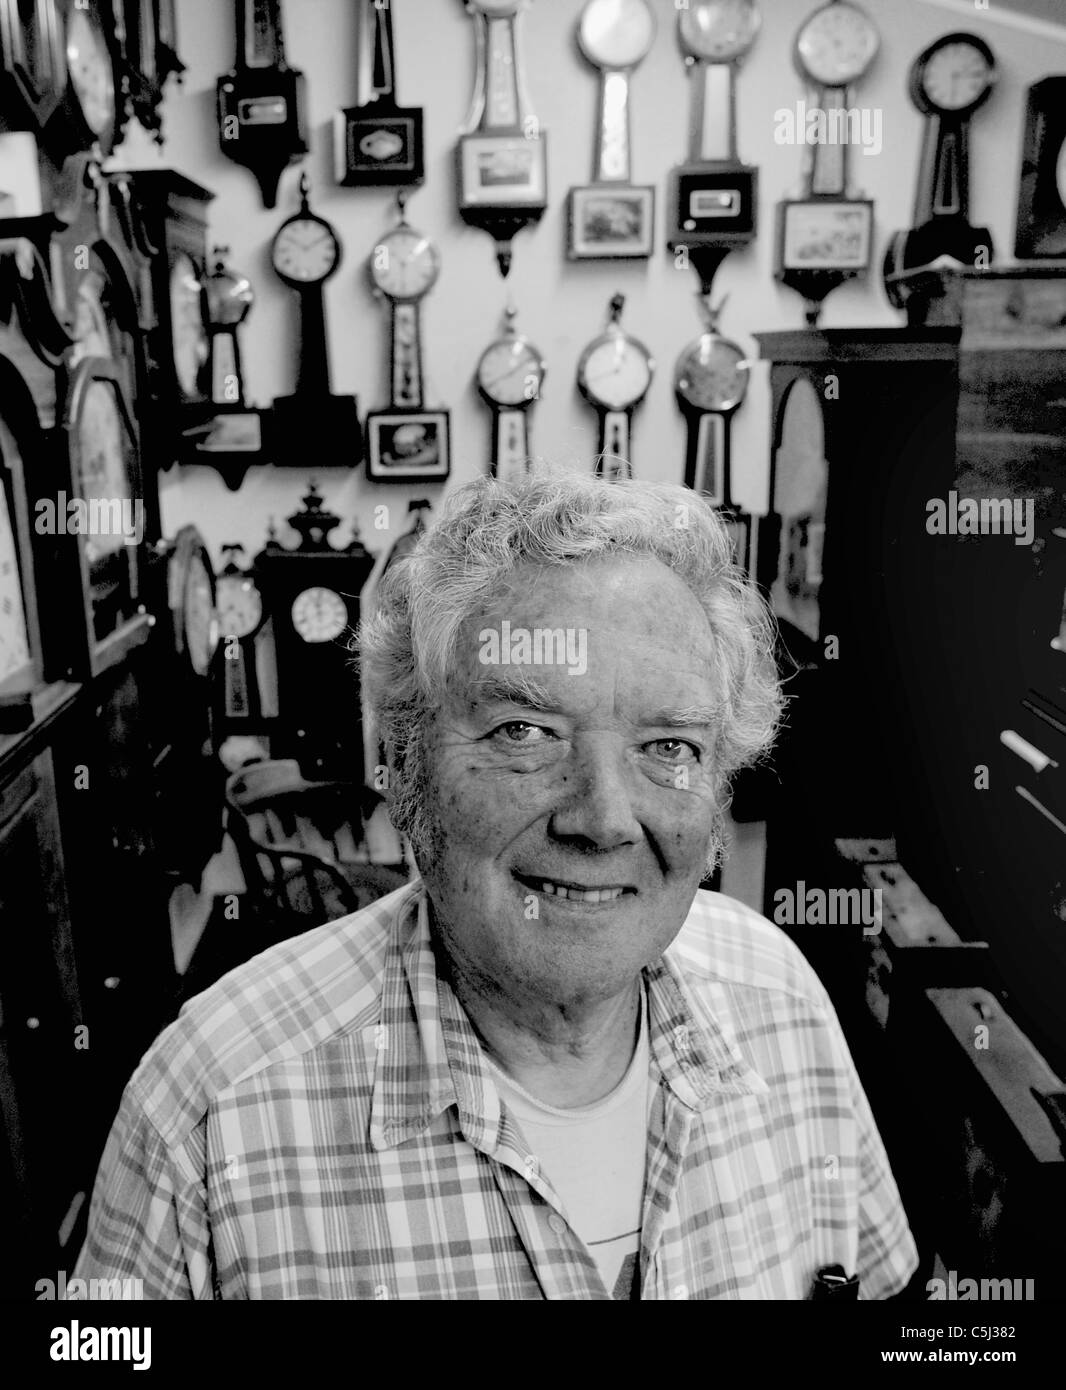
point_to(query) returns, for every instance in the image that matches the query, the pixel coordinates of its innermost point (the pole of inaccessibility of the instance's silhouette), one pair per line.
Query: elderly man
(550, 1067)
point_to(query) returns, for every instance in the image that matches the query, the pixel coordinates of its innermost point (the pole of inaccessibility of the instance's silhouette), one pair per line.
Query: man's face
(606, 788)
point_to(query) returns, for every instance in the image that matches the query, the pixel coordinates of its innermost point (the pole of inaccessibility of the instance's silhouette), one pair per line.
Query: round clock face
(305, 250)
(91, 74)
(511, 373)
(240, 606)
(957, 74)
(198, 616)
(837, 45)
(718, 30)
(100, 446)
(319, 615)
(712, 374)
(615, 372)
(187, 323)
(405, 264)
(1060, 173)
(616, 33)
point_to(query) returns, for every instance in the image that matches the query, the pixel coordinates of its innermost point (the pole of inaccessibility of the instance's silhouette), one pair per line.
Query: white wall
(561, 305)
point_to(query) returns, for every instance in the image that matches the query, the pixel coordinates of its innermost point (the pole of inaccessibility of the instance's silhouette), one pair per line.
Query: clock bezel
(510, 341)
(729, 404)
(925, 103)
(598, 62)
(691, 49)
(604, 340)
(432, 250)
(297, 284)
(808, 24)
(93, 12)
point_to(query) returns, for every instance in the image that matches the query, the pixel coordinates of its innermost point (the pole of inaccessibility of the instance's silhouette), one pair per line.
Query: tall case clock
(312, 596)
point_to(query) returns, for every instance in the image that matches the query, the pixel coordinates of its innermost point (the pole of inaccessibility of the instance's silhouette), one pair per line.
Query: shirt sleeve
(147, 1221)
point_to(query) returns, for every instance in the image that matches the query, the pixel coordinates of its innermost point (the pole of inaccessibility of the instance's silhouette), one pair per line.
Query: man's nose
(596, 801)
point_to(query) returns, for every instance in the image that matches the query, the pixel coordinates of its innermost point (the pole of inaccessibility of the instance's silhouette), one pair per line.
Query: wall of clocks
(560, 302)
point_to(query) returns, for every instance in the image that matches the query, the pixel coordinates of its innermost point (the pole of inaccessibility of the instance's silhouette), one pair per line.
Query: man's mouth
(575, 892)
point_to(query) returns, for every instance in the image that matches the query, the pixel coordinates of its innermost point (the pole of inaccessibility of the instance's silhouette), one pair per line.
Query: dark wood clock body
(170, 219)
(319, 719)
(86, 940)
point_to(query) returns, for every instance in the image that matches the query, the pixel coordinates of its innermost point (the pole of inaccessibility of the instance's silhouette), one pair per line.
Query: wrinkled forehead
(625, 622)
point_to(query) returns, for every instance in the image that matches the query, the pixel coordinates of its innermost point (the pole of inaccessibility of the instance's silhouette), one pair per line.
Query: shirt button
(557, 1224)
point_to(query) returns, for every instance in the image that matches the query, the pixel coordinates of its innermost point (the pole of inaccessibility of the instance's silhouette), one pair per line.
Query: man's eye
(674, 750)
(518, 731)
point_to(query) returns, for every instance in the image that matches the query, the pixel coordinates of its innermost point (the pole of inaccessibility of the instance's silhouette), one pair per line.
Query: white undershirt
(593, 1156)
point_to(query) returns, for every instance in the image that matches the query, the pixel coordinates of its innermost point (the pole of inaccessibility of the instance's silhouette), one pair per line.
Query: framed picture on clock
(18, 666)
(407, 446)
(502, 170)
(609, 223)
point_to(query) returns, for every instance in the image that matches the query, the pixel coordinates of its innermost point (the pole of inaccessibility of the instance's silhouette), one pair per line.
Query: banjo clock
(406, 443)
(710, 383)
(510, 374)
(306, 252)
(826, 237)
(951, 80)
(378, 142)
(311, 594)
(613, 375)
(1041, 230)
(713, 200)
(238, 707)
(231, 437)
(502, 156)
(260, 103)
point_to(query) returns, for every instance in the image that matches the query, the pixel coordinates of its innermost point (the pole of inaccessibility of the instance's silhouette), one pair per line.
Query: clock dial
(198, 616)
(719, 30)
(616, 33)
(511, 372)
(91, 74)
(306, 250)
(712, 374)
(837, 45)
(616, 372)
(240, 606)
(956, 75)
(14, 642)
(102, 471)
(405, 264)
(190, 344)
(1060, 173)
(319, 615)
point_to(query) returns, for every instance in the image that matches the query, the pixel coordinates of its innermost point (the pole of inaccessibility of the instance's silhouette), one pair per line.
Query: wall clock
(33, 50)
(191, 601)
(378, 141)
(613, 375)
(240, 617)
(19, 671)
(105, 477)
(311, 593)
(510, 375)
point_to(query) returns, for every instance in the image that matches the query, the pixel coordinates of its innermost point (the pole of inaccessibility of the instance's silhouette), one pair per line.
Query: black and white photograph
(533, 672)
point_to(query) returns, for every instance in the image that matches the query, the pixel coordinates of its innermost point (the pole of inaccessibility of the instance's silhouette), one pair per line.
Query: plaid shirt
(322, 1123)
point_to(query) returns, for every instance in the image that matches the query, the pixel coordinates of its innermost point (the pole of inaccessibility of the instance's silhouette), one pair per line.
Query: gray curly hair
(483, 532)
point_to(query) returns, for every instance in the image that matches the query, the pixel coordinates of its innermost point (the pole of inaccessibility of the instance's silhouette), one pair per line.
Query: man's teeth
(594, 895)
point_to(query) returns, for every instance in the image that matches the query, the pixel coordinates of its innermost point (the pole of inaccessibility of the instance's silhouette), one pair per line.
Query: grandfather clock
(311, 594)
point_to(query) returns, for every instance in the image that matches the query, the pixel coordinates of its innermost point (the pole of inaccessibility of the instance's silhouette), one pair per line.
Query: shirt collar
(429, 1058)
